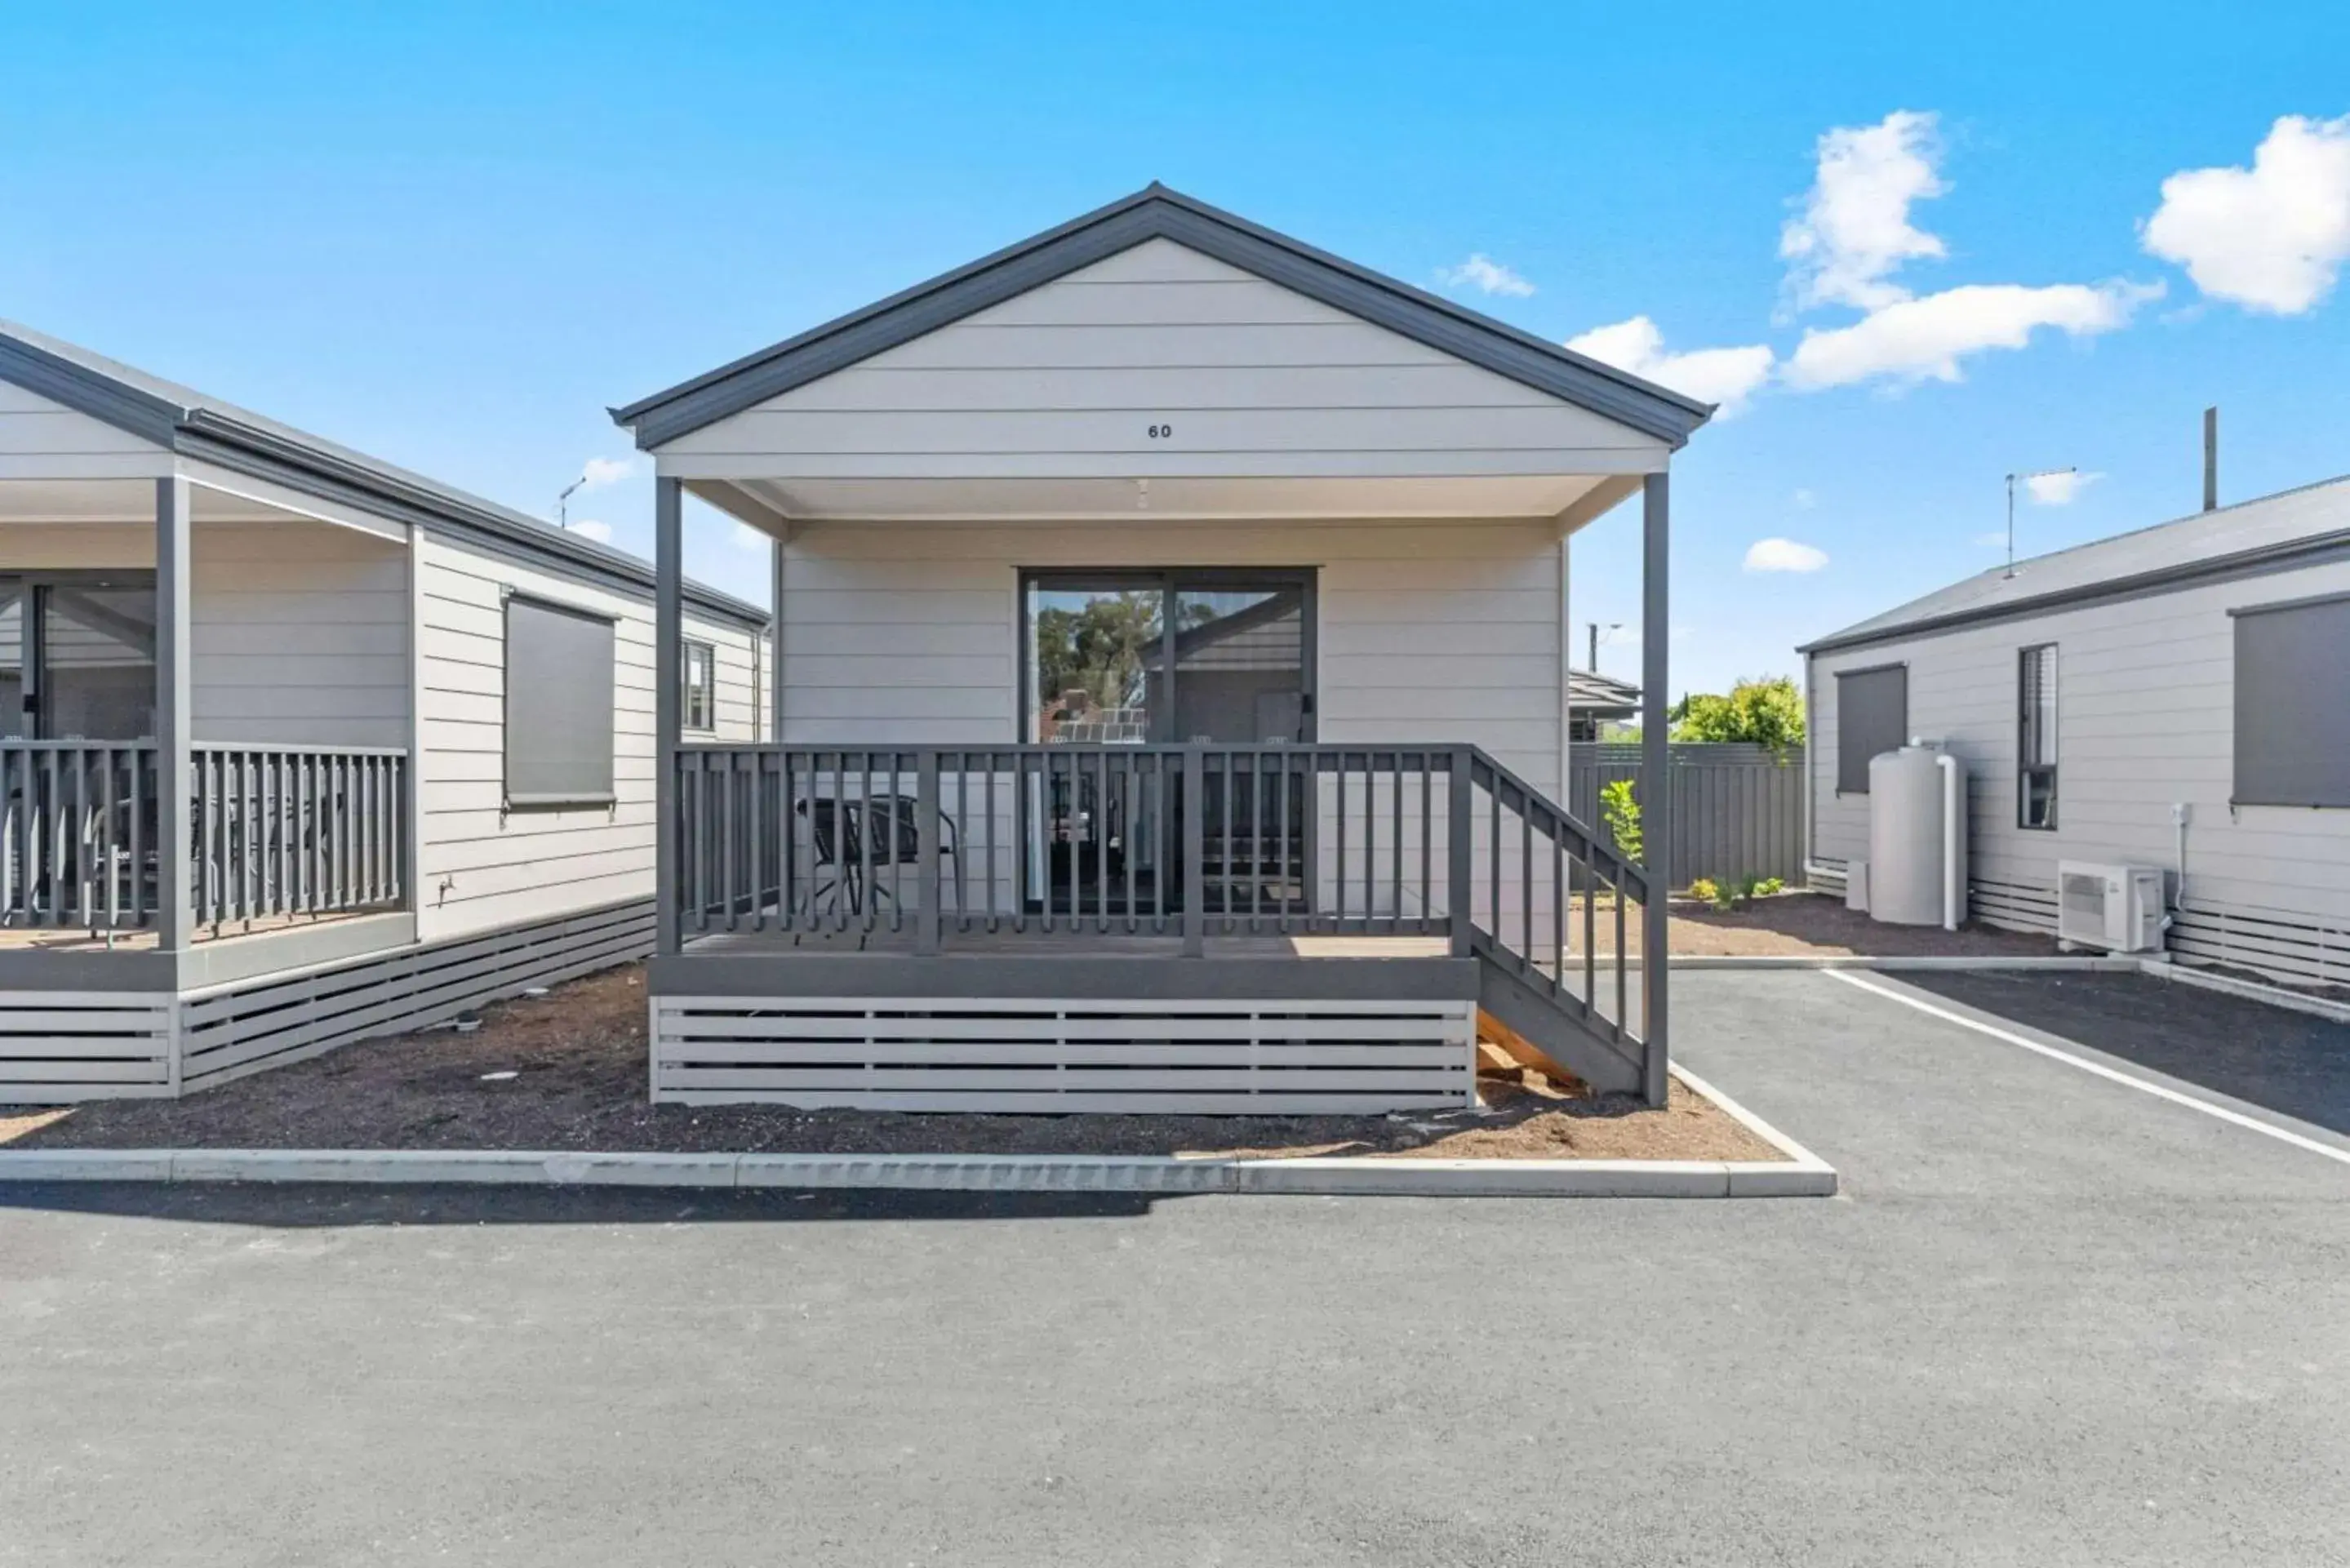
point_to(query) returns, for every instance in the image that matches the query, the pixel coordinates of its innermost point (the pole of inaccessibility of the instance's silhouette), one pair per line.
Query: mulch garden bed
(1800, 925)
(568, 1070)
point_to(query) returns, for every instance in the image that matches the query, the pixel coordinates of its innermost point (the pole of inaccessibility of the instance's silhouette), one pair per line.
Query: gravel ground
(577, 1060)
(1798, 924)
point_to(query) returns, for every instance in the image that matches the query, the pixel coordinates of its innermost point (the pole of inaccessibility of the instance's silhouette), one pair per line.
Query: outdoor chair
(845, 851)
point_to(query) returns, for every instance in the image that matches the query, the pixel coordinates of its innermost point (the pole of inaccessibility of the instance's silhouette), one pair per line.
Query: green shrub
(1705, 890)
(1767, 712)
(1619, 809)
(1768, 886)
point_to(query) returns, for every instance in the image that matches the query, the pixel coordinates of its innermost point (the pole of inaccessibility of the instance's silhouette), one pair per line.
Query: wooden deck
(48, 940)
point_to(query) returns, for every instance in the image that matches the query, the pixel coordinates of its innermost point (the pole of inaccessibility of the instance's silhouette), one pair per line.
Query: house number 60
(1160, 432)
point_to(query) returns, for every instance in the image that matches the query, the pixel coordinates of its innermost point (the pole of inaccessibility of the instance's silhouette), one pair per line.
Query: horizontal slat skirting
(230, 1033)
(1140, 1081)
(799, 1025)
(16, 1023)
(1177, 1105)
(1028, 1054)
(61, 1046)
(154, 1070)
(686, 1054)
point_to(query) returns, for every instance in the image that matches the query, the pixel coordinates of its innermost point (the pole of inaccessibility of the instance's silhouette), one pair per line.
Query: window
(1872, 716)
(558, 707)
(699, 671)
(2292, 703)
(2036, 737)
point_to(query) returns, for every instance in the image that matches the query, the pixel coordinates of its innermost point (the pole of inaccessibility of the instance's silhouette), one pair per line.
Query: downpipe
(1954, 892)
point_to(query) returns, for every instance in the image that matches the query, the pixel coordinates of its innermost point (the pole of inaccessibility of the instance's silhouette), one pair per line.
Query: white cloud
(1724, 376)
(1482, 273)
(1924, 339)
(2271, 237)
(1784, 555)
(1854, 230)
(1804, 500)
(589, 529)
(747, 537)
(598, 472)
(2059, 488)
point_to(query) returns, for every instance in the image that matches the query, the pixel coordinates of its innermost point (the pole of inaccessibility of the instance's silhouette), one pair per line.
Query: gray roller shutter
(1872, 716)
(559, 708)
(2292, 704)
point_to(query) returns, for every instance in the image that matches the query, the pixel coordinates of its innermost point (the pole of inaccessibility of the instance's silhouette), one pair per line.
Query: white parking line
(2159, 1091)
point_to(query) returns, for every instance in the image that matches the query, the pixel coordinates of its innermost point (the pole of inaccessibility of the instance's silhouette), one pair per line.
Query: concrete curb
(2106, 962)
(1801, 1174)
(1147, 1174)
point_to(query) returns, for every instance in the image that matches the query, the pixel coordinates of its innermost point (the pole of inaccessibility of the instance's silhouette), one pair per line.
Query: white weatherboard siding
(300, 634)
(1241, 377)
(900, 634)
(2145, 717)
(1428, 631)
(41, 439)
(482, 867)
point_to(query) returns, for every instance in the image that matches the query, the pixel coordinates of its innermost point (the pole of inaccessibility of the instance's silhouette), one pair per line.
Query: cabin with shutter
(298, 747)
(2175, 698)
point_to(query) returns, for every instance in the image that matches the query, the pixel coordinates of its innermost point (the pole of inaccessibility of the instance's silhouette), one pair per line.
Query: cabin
(1170, 695)
(2175, 698)
(298, 747)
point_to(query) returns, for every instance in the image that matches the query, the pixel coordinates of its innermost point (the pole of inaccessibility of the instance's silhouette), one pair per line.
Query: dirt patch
(1813, 925)
(567, 1071)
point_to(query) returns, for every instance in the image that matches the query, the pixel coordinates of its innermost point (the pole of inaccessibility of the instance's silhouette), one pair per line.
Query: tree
(1100, 648)
(1763, 712)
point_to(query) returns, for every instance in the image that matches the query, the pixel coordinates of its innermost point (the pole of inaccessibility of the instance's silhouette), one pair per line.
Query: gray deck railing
(276, 832)
(77, 834)
(931, 845)
(285, 832)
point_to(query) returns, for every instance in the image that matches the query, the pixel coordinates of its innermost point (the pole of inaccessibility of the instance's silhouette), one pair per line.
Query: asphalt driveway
(2051, 1321)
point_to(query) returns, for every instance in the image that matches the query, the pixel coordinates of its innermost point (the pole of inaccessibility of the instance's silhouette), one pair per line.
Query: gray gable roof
(181, 419)
(1589, 688)
(2289, 528)
(1157, 212)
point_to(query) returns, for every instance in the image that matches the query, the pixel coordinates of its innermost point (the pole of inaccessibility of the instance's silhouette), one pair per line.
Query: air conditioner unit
(2117, 907)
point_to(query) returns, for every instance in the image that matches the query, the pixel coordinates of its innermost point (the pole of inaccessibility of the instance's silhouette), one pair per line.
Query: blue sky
(453, 235)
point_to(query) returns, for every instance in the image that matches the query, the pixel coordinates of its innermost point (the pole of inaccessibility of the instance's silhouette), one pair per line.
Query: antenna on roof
(2211, 457)
(2039, 474)
(563, 502)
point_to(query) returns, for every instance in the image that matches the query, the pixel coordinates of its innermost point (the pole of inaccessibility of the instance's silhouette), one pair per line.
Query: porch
(205, 731)
(296, 854)
(924, 927)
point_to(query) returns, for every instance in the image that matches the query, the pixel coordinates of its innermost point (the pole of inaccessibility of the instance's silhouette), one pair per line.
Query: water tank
(1906, 846)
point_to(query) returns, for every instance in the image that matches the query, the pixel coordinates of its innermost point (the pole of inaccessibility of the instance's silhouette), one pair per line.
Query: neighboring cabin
(298, 747)
(2202, 664)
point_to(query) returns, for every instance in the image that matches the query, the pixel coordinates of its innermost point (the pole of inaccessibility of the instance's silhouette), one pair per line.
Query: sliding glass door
(78, 656)
(1129, 657)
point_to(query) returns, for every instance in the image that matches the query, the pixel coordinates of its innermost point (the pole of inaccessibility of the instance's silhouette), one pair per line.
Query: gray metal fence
(1737, 810)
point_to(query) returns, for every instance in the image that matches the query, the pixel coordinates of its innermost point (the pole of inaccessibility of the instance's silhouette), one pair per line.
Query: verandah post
(1657, 804)
(669, 628)
(174, 713)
